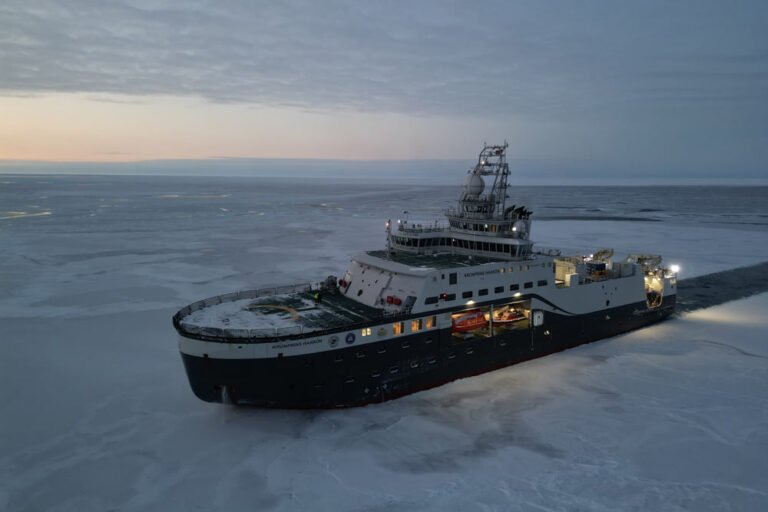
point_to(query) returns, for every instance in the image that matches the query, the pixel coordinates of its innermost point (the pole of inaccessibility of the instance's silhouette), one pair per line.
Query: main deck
(273, 312)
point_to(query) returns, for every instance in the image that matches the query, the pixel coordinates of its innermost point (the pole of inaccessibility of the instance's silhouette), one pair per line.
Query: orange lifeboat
(468, 321)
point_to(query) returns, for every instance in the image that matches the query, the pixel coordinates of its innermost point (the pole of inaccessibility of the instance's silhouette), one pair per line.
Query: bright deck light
(675, 269)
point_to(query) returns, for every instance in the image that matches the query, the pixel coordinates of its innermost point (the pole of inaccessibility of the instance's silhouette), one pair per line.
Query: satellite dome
(474, 185)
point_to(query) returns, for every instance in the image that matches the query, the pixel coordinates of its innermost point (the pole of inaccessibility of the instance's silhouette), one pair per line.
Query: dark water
(721, 287)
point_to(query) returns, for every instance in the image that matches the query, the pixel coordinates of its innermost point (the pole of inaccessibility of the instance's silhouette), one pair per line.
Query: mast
(478, 201)
(480, 224)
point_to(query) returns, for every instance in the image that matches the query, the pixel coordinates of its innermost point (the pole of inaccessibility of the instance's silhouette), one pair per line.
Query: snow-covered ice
(97, 413)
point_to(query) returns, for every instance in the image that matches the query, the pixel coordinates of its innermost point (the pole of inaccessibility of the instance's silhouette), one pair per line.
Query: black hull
(389, 369)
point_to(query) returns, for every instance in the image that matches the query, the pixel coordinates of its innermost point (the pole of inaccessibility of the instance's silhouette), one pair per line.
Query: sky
(586, 88)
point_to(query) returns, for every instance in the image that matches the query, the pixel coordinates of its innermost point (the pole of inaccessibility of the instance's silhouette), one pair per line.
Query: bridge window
(466, 295)
(543, 282)
(483, 292)
(514, 287)
(529, 284)
(416, 325)
(498, 289)
(431, 321)
(430, 300)
(452, 278)
(397, 328)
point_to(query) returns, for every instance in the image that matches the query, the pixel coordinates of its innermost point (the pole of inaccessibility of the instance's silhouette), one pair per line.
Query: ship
(439, 302)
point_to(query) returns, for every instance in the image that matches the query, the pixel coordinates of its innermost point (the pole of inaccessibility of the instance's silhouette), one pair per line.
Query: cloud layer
(446, 58)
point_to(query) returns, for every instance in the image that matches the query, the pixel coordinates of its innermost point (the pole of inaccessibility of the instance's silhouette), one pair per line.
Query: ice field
(97, 413)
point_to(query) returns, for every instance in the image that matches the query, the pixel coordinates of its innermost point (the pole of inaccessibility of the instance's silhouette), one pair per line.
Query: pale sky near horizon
(667, 87)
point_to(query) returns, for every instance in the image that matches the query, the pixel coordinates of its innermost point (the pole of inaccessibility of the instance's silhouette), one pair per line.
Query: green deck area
(332, 311)
(438, 261)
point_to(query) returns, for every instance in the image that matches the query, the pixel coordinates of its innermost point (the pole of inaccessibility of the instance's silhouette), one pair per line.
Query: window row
(522, 268)
(417, 325)
(483, 292)
(472, 245)
(393, 370)
(361, 354)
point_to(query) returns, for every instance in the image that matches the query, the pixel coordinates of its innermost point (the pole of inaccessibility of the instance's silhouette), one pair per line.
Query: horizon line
(527, 182)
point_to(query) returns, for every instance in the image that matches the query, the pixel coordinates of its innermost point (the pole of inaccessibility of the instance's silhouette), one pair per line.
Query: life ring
(333, 341)
(350, 338)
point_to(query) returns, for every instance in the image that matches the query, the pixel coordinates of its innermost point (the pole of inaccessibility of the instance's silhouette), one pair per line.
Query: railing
(547, 251)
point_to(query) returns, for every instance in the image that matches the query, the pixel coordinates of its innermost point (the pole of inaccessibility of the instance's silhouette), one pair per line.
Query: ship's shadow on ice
(463, 422)
(468, 424)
